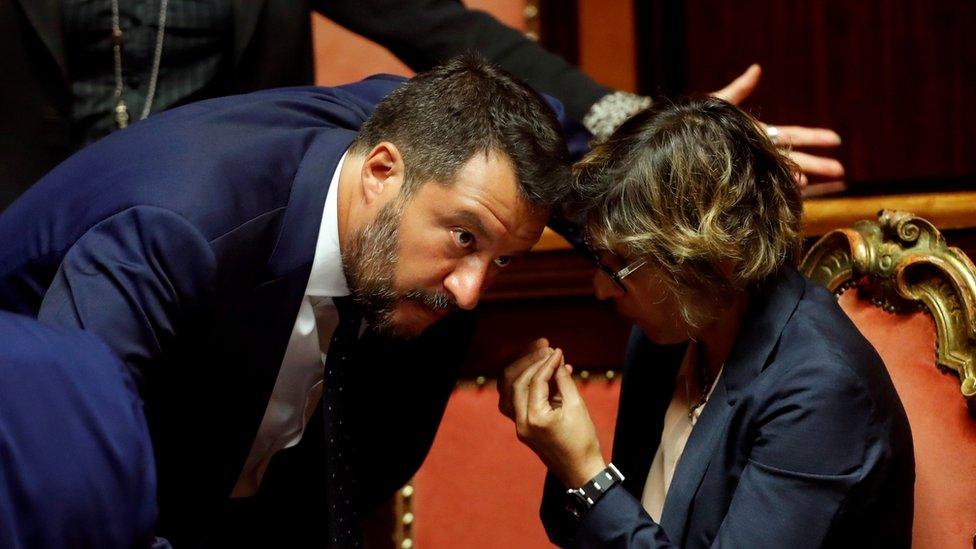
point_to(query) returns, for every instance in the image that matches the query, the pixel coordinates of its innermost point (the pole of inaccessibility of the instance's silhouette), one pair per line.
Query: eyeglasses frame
(616, 276)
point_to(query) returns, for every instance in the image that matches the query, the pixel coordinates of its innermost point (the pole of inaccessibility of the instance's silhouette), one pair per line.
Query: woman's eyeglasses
(617, 276)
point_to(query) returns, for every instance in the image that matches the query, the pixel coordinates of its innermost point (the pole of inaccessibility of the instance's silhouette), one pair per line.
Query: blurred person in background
(76, 70)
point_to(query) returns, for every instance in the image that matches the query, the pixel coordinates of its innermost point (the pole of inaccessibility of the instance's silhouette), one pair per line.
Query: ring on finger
(772, 132)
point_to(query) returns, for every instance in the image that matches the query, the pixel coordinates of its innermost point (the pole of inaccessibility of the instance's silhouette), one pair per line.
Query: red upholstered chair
(914, 299)
(480, 488)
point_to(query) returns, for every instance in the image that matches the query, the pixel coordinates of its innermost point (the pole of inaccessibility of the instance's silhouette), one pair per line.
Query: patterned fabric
(198, 37)
(342, 524)
(607, 114)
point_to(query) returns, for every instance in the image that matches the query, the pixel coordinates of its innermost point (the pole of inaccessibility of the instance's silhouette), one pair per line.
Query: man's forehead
(487, 188)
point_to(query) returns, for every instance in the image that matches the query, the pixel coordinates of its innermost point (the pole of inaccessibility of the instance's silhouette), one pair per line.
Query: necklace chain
(695, 407)
(702, 398)
(121, 109)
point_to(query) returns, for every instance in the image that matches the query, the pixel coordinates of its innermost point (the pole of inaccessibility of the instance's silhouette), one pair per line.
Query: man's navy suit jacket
(76, 463)
(185, 242)
(803, 443)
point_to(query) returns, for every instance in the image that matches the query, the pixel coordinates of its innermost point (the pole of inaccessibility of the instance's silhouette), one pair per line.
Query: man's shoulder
(345, 106)
(24, 340)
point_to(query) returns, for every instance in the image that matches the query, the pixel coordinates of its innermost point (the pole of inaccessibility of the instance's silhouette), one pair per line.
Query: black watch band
(581, 499)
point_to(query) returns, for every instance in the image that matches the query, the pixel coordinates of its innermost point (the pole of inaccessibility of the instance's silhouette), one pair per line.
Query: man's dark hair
(441, 118)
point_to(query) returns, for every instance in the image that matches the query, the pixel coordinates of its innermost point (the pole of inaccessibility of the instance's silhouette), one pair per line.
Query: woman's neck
(715, 340)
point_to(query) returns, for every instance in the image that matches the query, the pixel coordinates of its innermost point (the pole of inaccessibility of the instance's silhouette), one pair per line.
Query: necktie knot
(350, 317)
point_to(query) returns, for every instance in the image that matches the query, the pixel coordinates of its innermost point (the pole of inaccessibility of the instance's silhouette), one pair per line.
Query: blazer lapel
(246, 14)
(648, 383)
(771, 307)
(694, 461)
(45, 17)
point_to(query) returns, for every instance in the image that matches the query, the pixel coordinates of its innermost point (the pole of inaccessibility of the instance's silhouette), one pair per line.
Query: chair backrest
(914, 298)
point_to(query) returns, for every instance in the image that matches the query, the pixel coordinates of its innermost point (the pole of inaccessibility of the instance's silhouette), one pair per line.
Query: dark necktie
(343, 530)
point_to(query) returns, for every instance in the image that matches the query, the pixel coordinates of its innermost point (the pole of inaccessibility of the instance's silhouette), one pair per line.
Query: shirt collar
(327, 278)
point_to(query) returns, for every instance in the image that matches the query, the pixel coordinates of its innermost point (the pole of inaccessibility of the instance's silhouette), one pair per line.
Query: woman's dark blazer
(804, 442)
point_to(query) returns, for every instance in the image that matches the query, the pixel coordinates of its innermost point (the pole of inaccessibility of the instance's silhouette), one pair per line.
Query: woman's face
(647, 302)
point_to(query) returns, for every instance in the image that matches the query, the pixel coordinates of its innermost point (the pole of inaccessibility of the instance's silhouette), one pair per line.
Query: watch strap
(586, 496)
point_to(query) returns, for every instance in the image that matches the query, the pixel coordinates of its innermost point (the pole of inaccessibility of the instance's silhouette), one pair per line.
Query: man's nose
(467, 281)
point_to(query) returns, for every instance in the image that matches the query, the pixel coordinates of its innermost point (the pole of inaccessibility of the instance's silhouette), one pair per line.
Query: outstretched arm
(790, 137)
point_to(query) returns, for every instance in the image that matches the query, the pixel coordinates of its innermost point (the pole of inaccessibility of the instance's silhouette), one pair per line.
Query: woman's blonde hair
(698, 190)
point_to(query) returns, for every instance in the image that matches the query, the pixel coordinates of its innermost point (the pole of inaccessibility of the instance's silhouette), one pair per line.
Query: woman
(752, 412)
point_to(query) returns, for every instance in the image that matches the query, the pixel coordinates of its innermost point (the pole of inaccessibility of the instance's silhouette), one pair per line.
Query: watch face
(576, 506)
(580, 500)
(576, 503)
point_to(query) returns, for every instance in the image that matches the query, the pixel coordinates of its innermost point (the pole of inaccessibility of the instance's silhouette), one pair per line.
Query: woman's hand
(555, 425)
(538, 350)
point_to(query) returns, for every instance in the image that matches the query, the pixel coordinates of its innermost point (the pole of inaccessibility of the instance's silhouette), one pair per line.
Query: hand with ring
(791, 137)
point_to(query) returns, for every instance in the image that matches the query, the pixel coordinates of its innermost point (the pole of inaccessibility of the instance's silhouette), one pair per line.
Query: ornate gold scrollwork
(902, 263)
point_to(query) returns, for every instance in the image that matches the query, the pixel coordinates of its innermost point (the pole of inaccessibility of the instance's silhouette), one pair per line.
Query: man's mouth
(435, 305)
(435, 313)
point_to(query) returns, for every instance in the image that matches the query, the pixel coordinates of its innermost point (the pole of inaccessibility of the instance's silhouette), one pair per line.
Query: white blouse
(677, 428)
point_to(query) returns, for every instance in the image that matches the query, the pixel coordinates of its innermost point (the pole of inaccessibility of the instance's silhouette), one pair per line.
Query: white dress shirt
(298, 389)
(674, 436)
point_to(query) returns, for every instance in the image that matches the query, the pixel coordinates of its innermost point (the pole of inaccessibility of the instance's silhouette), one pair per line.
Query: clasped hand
(537, 391)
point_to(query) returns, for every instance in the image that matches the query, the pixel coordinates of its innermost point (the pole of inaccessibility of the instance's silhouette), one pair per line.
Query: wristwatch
(580, 500)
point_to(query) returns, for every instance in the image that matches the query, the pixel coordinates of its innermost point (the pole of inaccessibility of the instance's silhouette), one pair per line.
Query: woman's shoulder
(822, 352)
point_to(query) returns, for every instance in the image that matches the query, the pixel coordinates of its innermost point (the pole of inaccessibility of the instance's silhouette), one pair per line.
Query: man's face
(428, 255)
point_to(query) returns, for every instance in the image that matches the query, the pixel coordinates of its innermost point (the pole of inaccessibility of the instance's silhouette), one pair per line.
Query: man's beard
(369, 264)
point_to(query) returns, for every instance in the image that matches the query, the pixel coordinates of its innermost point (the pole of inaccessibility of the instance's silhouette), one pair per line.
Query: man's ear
(382, 173)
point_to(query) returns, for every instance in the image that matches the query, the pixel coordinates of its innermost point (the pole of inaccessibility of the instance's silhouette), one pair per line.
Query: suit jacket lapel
(45, 17)
(246, 14)
(264, 317)
(770, 309)
(258, 328)
(296, 244)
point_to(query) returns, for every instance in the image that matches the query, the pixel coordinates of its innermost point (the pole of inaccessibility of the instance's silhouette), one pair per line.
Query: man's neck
(348, 196)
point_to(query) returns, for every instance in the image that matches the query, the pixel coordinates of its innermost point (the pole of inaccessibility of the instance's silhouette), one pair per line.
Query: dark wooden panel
(896, 78)
(548, 294)
(559, 27)
(591, 333)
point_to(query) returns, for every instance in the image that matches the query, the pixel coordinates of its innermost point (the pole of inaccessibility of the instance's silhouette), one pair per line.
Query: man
(69, 82)
(77, 467)
(211, 246)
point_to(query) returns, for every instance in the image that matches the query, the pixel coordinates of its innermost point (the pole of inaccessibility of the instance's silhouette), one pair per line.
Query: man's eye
(503, 261)
(463, 238)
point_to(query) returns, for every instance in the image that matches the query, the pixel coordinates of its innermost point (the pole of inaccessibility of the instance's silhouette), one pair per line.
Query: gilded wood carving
(902, 263)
